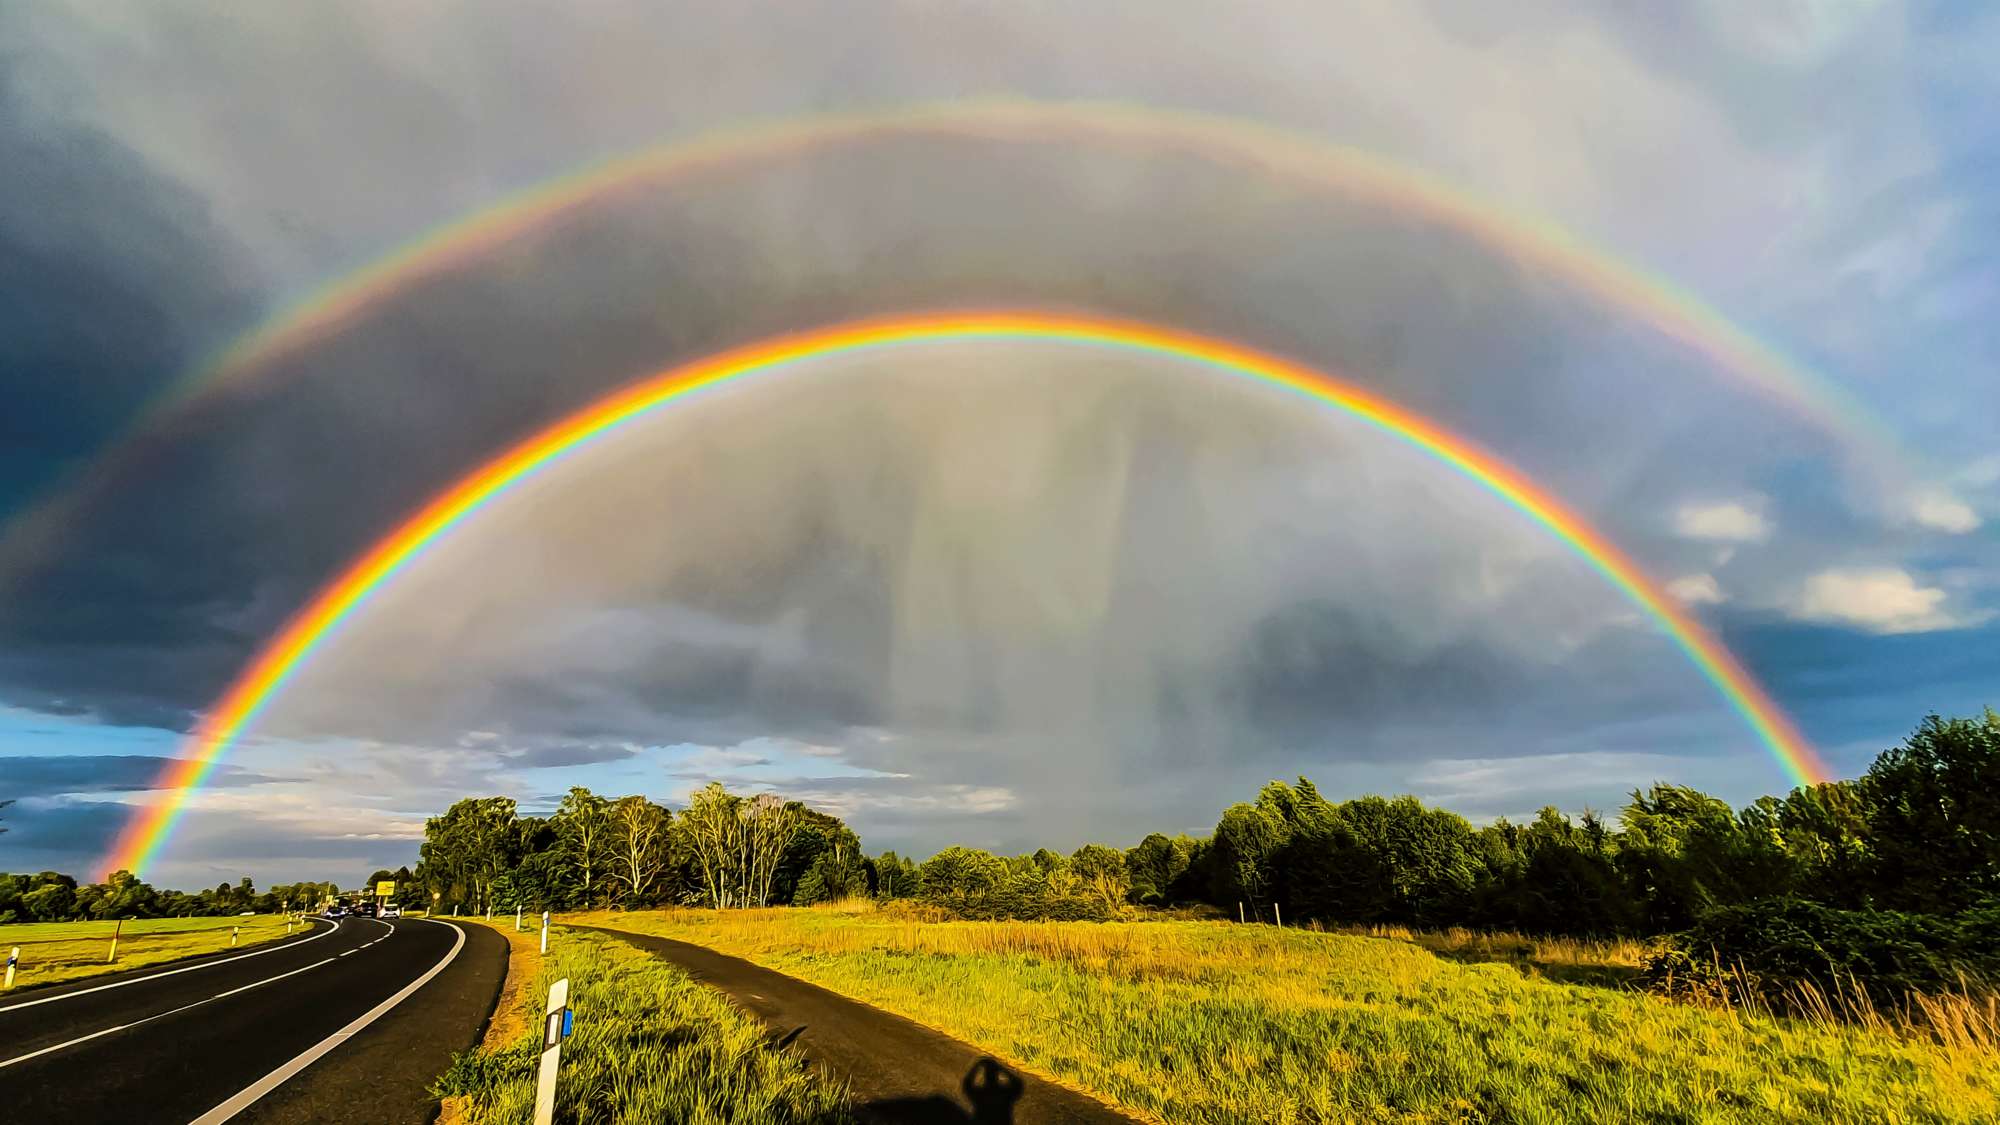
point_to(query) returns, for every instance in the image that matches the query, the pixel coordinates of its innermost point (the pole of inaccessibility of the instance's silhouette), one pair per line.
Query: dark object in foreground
(990, 1089)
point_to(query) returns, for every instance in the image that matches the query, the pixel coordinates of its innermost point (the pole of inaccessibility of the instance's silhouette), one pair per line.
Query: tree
(714, 832)
(583, 831)
(1102, 870)
(1678, 854)
(639, 844)
(1934, 814)
(959, 875)
(1248, 840)
(1156, 865)
(769, 823)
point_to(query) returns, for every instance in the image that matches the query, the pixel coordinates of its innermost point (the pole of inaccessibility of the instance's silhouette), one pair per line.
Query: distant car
(247, 914)
(392, 911)
(336, 911)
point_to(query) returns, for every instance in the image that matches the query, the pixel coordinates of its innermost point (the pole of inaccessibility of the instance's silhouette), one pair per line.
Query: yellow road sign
(386, 888)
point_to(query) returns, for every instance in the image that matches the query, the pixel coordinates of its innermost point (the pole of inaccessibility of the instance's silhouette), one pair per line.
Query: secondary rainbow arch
(1671, 310)
(281, 658)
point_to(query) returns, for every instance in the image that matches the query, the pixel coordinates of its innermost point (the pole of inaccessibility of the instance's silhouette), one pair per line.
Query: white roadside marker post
(115, 931)
(545, 931)
(232, 936)
(517, 917)
(555, 1029)
(13, 959)
(1277, 915)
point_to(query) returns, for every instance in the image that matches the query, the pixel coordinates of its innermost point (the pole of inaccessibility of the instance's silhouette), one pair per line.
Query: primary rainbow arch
(282, 657)
(1344, 170)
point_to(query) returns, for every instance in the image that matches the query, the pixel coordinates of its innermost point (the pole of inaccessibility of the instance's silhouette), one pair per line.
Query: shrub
(1774, 946)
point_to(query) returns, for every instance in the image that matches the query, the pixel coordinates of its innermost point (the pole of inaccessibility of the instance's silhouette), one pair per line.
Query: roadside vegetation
(53, 952)
(1212, 1022)
(649, 1045)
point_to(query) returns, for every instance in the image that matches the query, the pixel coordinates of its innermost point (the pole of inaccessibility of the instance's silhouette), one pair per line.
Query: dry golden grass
(1218, 1022)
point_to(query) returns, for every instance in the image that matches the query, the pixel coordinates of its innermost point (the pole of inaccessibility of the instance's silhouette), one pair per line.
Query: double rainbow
(281, 658)
(1255, 147)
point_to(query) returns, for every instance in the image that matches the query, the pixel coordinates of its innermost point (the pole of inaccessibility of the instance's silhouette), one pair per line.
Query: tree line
(51, 896)
(1919, 833)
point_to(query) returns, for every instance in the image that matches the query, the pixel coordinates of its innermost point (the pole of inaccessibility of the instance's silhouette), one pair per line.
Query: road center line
(171, 972)
(249, 1094)
(280, 976)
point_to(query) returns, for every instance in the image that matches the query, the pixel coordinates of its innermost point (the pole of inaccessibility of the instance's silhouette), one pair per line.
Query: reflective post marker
(232, 936)
(545, 931)
(517, 917)
(115, 931)
(13, 959)
(555, 1028)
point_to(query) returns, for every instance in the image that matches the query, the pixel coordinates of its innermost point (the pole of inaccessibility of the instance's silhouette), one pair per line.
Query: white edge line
(249, 1094)
(273, 948)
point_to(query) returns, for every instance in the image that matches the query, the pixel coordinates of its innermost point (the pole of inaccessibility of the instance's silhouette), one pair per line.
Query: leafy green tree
(1934, 815)
(583, 833)
(1102, 870)
(1156, 865)
(1679, 854)
(959, 875)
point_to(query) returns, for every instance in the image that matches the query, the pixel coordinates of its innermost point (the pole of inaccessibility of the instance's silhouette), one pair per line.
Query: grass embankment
(1224, 1023)
(649, 1045)
(52, 952)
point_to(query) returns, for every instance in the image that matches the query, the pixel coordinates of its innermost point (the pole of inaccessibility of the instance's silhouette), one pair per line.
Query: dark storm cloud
(51, 774)
(573, 754)
(115, 280)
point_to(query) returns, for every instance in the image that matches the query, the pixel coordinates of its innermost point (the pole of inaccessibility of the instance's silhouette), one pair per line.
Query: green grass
(649, 1045)
(1212, 1022)
(52, 952)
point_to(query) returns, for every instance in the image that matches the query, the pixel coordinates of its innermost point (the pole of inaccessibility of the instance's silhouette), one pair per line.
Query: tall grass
(649, 1045)
(1214, 1022)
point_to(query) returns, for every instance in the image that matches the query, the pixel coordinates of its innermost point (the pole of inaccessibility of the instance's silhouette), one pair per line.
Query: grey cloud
(48, 774)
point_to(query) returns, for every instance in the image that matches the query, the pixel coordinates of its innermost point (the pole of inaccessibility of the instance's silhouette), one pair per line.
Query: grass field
(650, 1045)
(52, 952)
(1213, 1022)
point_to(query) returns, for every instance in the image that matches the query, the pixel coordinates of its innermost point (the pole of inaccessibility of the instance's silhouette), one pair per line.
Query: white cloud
(1880, 599)
(1729, 521)
(1941, 511)
(1697, 589)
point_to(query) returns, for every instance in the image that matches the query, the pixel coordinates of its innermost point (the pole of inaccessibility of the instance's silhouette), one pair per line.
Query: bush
(1776, 945)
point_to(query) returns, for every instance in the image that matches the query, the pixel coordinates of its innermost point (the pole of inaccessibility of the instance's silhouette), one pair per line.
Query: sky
(1001, 594)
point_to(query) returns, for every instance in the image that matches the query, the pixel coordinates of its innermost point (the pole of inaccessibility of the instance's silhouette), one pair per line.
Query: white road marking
(249, 1094)
(172, 972)
(268, 980)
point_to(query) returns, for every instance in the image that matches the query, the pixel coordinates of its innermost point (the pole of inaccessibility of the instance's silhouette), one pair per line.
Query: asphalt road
(901, 1072)
(348, 1023)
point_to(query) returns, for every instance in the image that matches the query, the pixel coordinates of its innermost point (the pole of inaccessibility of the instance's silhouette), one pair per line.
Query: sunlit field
(1214, 1022)
(52, 952)
(650, 1045)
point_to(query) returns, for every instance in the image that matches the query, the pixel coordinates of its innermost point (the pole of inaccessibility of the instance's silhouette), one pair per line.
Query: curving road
(347, 1023)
